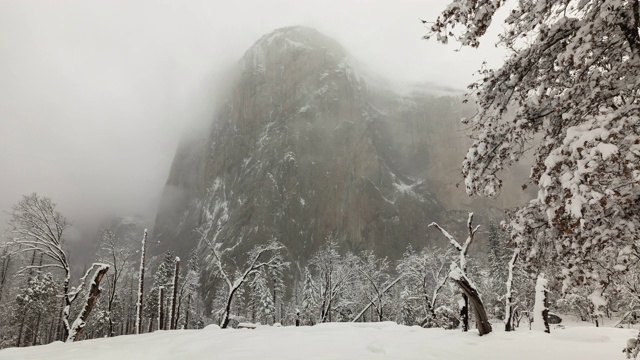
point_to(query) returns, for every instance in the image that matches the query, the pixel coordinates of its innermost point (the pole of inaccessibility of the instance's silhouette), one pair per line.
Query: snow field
(350, 341)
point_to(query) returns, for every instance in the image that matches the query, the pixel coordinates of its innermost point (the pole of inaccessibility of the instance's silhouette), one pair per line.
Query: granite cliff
(307, 146)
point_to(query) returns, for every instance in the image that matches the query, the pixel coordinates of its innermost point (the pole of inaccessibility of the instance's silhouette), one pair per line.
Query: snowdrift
(340, 341)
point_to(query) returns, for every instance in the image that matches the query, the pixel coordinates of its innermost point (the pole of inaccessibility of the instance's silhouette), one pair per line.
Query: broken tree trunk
(92, 297)
(508, 313)
(541, 305)
(467, 288)
(462, 250)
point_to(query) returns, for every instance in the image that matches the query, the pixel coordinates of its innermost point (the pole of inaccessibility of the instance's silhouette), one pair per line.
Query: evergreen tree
(266, 306)
(309, 301)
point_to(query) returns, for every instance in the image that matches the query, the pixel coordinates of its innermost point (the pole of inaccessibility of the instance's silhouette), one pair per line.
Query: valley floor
(341, 341)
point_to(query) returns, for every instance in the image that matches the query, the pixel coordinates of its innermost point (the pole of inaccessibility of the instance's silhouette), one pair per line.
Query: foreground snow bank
(340, 341)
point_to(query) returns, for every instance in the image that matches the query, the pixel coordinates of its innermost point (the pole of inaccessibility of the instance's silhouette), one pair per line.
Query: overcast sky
(95, 94)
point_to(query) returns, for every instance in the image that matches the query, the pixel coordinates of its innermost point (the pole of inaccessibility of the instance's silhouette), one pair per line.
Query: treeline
(436, 286)
(41, 302)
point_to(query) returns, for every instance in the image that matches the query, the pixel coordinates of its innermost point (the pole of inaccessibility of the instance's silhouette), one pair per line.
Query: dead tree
(462, 250)
(471, 292)
(141, 283)
(508, 313)
(92, 297)
(541, 305)
(172, 317)
(161, 308)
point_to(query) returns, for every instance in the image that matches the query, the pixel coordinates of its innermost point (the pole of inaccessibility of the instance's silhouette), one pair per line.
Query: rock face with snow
(306, 147)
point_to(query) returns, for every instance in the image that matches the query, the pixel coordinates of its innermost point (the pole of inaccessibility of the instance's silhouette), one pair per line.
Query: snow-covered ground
(341, 341)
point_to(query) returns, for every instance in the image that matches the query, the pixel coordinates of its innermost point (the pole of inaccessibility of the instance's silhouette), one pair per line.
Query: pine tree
(266, 306)
(163, 277)
(309, 301)
(276, 278)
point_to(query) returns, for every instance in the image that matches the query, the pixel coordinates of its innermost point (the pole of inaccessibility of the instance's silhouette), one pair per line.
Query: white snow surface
(384, 340)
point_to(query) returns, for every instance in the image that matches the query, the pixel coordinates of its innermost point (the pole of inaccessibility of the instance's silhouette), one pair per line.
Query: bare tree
(262, 256)
(334, 274)
(459, 276)
(462, 250)
(117, 255)
(375, 273)
(37, 227)
(425, 273)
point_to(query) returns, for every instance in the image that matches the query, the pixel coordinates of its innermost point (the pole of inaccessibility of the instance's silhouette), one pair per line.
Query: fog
(94, 95)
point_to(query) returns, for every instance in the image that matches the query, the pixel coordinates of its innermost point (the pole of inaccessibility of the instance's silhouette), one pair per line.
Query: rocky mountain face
(307, 147)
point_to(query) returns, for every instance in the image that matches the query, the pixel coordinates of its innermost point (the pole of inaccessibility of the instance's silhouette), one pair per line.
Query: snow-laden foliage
(424, 275)
(570, 90)
(333, 275)
(234, 275)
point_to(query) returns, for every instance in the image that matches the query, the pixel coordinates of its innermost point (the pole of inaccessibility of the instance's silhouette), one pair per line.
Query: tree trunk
(508, 311)
(186, 315)
(6, 262)
(227, 309)
(92, 298)
(35, 332)
(141, 283)
(541, 305)
(19, 340)
(464, 313)
(482, 321)
(161, 308)
(66, 309)
(173, 319)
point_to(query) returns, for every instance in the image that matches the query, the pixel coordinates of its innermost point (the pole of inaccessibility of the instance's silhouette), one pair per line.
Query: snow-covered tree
(332, 274)
(260, 257)
(376, 282)
(458, 274)
(541, 306)
(118, 255)
(278, 287)
(192, 286)
(424, 276)
(265, 306)
(462, 262)
(37, 227)
(34, 302)
(569, 90)
(78, 326)
(163, 278)
(309, 300)
(139, 302)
